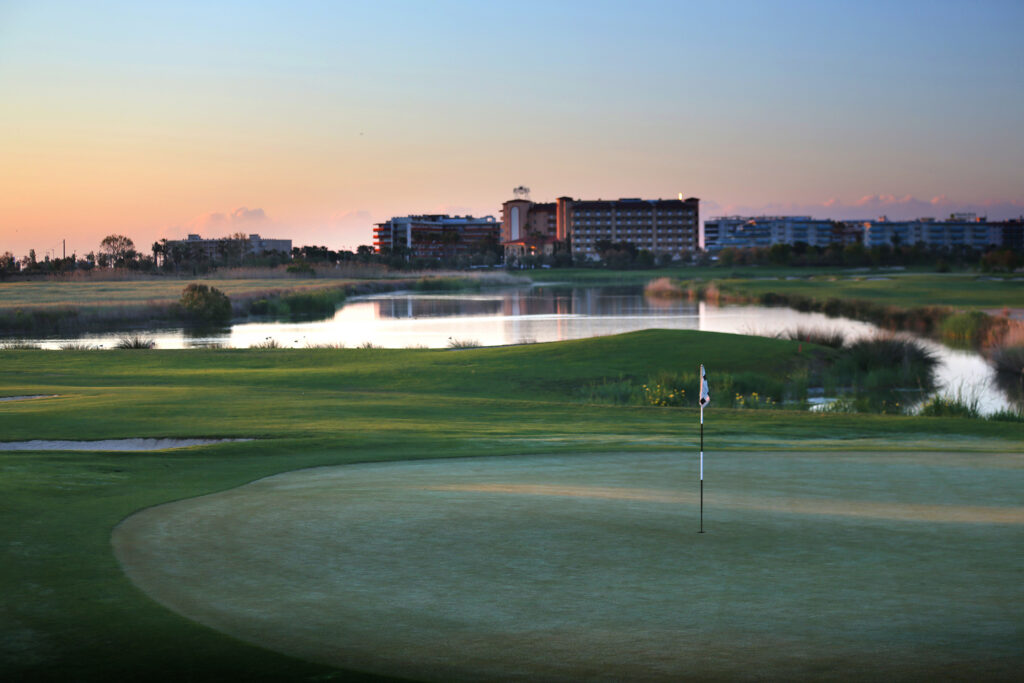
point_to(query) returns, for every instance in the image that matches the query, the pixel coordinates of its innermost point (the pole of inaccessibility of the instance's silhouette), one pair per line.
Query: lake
(543, 313)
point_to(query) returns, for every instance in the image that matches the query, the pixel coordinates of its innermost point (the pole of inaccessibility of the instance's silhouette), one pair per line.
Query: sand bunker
(27, 398)
(589, 567)
(109, 444)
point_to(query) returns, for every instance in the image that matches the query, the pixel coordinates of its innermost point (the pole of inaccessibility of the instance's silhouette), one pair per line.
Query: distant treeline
(117, 251)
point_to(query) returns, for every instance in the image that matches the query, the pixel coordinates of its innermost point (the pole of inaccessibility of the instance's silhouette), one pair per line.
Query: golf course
(470, 514)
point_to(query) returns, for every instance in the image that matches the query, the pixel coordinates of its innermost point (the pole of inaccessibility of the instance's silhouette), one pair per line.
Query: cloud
(352, 219)
(906, 207)
(241, 218)
(218, 224)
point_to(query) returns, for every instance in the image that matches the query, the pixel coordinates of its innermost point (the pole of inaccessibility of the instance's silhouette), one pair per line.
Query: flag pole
(701, 470)
(705, 398)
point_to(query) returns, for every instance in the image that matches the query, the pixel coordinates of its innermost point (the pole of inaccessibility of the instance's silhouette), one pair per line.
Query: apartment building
(435, 235)
(763, 231)
(960, 230)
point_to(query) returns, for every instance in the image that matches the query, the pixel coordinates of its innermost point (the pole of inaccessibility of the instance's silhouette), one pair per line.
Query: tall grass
(18, 345)
(1007, 415)
(463, 343)
(824, 337)
(952, 405)
(135, 342)
(906, 362)
(966, 329)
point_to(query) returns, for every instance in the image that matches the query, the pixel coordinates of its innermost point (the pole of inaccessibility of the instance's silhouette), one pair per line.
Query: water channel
(543, 313)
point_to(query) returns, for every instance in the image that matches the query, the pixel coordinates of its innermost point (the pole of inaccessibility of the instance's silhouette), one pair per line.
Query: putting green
(567, 567)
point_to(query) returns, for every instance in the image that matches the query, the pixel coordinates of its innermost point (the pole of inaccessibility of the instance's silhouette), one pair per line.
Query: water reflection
(543, 314)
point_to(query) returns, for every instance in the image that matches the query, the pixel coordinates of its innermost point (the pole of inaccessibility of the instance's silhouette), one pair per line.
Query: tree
(7, 264)
(119, 250)
(239, 246)
(206, 305)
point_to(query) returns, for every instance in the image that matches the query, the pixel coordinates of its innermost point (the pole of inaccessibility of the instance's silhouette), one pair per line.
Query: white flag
(705, 395)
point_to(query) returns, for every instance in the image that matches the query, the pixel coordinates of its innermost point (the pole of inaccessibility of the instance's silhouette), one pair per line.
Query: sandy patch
(27, 398)
(589, 567)
(109, 444)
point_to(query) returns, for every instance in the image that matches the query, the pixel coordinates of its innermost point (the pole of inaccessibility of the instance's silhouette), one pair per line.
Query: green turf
(910, 290)
(585, 566)
(67, 611)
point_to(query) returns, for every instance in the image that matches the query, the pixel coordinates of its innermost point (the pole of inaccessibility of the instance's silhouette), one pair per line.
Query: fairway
(837, 566)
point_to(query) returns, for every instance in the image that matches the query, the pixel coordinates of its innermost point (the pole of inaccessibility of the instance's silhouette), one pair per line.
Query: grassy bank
(885, 286)
(43, 307)
(70, 614)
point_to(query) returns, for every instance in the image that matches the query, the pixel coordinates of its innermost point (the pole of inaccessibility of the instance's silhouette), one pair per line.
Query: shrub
(206, 305)
(663, 287)
(1009, 359)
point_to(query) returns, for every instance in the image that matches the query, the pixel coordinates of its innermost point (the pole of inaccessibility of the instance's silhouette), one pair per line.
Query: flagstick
(701, 470)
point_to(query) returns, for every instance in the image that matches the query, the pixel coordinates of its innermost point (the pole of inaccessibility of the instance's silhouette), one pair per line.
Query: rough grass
(70, 614)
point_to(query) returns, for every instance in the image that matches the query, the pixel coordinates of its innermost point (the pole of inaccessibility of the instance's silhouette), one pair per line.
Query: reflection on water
(543, 314)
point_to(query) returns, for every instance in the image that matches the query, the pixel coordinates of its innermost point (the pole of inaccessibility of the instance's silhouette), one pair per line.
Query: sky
(311, 121)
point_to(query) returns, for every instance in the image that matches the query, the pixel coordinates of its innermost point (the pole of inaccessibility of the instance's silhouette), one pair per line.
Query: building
(959, 231)
(742, 232)
(532, 229)
(217, 250)
(664, 227)
(1013, 234)
(435, 235)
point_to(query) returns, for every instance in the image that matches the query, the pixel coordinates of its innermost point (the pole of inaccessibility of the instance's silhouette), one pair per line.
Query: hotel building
(661, 226)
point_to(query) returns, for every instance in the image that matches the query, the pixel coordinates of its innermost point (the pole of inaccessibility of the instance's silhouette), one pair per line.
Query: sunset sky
(313, 120)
